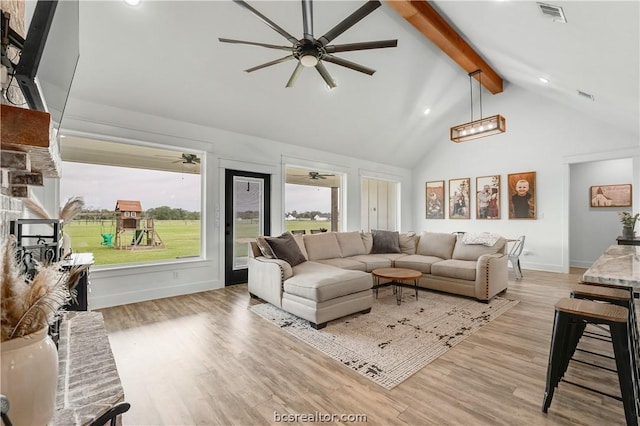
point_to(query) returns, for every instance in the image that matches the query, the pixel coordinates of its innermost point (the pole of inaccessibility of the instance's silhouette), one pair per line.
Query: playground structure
(132, 230)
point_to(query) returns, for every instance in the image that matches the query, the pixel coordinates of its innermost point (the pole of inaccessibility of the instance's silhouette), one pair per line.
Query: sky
(101, 186)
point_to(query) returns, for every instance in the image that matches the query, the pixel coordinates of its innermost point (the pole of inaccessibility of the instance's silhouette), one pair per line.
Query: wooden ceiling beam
(429, 22)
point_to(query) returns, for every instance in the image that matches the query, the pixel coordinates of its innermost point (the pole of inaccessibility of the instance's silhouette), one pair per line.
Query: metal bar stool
(621, 297)
(571, 318)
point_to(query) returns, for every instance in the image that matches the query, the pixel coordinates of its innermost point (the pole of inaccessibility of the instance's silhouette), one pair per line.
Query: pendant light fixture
(476, 129)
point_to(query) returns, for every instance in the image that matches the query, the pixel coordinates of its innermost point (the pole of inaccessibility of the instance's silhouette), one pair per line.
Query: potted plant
(29, 357)
(628, 223)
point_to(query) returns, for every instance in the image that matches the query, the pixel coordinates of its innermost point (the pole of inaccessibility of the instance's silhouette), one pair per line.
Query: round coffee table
(397, 277)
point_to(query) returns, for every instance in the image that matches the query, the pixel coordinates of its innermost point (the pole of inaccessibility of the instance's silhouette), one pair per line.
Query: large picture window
(141, 204)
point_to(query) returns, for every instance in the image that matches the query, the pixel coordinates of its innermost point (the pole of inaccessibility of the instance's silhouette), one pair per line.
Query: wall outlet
(175, 275)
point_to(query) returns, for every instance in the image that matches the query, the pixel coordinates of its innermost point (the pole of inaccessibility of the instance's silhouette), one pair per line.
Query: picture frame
(434, 199)
(488, 197)
(610, 195)
(522, 195)
(459, 201)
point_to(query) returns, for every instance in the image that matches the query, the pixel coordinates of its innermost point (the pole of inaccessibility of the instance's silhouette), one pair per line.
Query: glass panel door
(246, 217)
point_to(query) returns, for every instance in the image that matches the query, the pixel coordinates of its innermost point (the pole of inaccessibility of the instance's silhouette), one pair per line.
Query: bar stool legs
(570, 320)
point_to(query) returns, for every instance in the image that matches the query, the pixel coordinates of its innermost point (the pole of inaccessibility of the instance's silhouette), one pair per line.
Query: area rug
(392, 342)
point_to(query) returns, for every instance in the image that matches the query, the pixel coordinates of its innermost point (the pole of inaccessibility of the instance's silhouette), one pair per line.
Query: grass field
(181, 239)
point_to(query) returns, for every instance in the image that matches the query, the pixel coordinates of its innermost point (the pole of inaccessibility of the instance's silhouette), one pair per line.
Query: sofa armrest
(491, 275)
(266, 277)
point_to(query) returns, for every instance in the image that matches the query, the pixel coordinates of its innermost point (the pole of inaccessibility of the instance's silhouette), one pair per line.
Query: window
(157, 190)
(312, 200)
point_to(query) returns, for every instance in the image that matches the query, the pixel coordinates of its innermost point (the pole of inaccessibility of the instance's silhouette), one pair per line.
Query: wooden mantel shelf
(29, 131)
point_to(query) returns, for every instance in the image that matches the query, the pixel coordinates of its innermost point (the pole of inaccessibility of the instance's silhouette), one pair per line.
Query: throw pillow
(407, 242)
(264, 247)
(385, 241)
(285, 247)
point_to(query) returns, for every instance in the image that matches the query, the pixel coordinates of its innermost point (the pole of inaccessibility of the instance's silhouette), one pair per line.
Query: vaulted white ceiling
(163, 58)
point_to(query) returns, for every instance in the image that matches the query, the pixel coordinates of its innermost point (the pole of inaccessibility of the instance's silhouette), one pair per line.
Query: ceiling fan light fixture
(309, 61)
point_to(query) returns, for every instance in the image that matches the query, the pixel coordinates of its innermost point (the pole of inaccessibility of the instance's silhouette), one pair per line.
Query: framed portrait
(488, 197)
(610, 195)
(522, 195)
(459, 198)
(434, 196)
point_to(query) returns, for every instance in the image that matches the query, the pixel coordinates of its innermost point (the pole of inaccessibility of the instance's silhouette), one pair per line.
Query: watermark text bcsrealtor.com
(318, 417)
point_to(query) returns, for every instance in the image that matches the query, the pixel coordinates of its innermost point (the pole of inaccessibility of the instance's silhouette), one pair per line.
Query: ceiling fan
(188, 159)
(312, 52)
(318, 175)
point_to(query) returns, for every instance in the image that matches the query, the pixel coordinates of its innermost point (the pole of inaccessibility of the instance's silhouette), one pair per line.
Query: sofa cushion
(464, 251)
(417, 262)
(373, 261)
(264, 247)
(407, 242)
(318, 282)
(300, 241)
(458, 269)
(367, 240)
(350, 243)
(322, 246)
(385, 241)
(285, 247)
(344, 263)
(436, 244)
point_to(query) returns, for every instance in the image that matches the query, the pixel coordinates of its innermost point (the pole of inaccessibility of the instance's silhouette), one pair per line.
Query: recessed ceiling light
(543, 80)
(133, 2)
(427, 111)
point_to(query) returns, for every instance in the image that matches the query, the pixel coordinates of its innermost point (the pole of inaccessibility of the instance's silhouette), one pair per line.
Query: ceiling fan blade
(325, 75)
(334, 48)
(268, 64)
(307, 19)
(348, 64)
(253, 43)
(295, 75)
(267, 21)
(349, 21)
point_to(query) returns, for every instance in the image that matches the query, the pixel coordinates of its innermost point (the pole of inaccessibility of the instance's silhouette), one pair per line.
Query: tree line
(159, 213)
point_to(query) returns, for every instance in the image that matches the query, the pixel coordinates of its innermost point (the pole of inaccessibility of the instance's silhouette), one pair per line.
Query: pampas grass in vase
(27, 307)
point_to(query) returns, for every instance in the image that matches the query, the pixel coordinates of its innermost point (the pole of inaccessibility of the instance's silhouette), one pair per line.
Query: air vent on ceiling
(586, 95)
(553, 12)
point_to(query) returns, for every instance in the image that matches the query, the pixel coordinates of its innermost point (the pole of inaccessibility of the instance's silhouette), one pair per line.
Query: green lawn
(181, 238)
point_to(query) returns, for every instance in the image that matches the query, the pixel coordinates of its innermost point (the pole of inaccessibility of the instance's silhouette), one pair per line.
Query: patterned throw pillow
(264, 247)
(385, 241)
(285, 247)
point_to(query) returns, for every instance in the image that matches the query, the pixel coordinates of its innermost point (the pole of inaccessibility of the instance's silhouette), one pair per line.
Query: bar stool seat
(571, 317)
(621, 297)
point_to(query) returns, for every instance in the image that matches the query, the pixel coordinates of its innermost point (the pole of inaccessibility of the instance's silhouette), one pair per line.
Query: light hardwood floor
(205, 359)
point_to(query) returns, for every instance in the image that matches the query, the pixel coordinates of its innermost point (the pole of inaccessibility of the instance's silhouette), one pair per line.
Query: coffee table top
(397, 273)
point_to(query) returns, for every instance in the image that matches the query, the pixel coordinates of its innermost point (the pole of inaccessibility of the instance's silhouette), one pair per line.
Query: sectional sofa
(321, 277)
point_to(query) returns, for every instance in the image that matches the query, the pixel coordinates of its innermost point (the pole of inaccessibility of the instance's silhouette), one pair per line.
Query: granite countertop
(618, 265)
(88, 380)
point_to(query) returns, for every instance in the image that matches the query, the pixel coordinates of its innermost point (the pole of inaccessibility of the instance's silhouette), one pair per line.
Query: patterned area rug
(392, 342)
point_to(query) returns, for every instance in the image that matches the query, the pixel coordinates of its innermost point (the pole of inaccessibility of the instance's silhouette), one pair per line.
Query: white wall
(593, 229)
(541, 136)
(114, 286)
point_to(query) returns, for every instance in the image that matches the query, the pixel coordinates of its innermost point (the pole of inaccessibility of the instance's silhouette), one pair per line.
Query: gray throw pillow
(385, 241)
(285, 247)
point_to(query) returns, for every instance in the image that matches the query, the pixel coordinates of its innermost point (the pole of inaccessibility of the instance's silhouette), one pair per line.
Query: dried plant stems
(28, 307)
(72, 207)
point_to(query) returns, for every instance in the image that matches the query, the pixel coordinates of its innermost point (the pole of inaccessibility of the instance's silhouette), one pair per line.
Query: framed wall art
(610, 195)
(434, 196)
(488, 197)
(459, 198)
(522, 195)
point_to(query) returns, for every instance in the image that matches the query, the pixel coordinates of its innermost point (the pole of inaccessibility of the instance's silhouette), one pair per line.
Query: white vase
(29, 378)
